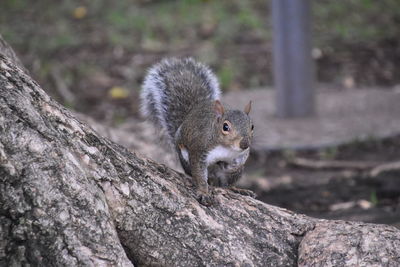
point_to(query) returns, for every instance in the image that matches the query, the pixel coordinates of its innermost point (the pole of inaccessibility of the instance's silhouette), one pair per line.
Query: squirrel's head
(234, 127)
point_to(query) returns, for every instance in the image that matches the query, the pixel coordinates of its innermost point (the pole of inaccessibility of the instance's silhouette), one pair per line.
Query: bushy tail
(172, 87)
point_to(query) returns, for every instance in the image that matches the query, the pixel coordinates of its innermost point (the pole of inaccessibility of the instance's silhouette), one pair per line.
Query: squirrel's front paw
(205, 199)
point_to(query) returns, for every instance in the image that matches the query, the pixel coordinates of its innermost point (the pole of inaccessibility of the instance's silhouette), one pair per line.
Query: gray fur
(172, 87)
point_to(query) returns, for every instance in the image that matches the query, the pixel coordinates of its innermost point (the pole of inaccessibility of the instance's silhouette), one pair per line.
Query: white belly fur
(227, 154)
(221, 153)
(185, 154)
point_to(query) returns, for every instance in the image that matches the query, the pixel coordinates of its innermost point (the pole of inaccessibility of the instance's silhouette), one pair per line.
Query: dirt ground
(341, 116)
(331, 191)
(322, 165)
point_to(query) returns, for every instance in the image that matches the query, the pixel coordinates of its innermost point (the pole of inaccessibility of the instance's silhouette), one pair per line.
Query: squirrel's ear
(219, 108)
(247, 108)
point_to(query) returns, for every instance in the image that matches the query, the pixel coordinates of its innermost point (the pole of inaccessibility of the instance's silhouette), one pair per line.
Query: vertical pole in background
(293, 68)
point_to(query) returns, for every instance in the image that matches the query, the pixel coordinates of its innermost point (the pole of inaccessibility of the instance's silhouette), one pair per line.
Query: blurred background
(92, 56)
(89, 47)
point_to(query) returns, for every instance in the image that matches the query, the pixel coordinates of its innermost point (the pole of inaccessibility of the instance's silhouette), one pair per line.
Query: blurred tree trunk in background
(70, 197)
(293, 66)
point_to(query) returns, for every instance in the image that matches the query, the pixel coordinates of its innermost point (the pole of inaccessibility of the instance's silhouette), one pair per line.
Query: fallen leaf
(118, 92)
(80, 12)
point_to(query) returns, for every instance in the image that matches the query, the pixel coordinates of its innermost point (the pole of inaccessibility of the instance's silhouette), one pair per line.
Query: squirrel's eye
(252, 127)
(225, 127)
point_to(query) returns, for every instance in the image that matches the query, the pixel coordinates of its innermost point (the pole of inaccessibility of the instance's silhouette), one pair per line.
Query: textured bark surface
(8, 52)
(338, 243)
(70, 197)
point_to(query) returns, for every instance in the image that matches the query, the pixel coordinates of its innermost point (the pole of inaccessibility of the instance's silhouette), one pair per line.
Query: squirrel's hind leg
(223, 174)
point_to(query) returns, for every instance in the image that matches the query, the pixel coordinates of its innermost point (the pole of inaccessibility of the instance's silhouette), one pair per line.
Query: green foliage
(247, 16)
(289, 154)
(118, 119)
(226, 75)
(127, 22)
(46, 28)
(355, 21)
(329, 153)
(373, 198)
(14, 4)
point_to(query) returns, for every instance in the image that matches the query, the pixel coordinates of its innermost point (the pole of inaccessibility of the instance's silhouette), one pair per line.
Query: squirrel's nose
(244, 143)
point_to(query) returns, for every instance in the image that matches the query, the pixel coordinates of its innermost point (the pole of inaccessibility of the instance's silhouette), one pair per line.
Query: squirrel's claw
(205, 199)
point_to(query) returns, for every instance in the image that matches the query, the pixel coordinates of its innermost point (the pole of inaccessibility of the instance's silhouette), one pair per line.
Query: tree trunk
(69, 197)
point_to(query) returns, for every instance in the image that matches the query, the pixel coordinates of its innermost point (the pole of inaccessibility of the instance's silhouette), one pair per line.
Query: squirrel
(182, 98)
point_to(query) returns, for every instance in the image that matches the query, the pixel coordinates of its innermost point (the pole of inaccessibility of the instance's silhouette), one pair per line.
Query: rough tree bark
(69, 197)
